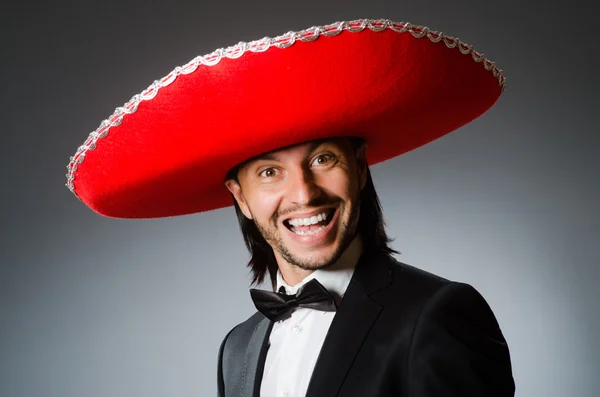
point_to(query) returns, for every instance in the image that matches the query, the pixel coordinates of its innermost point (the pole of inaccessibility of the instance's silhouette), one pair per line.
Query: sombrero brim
(166, 152)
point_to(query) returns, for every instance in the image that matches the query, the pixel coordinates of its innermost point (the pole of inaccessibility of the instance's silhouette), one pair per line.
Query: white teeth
(308, 221)
(310, 233)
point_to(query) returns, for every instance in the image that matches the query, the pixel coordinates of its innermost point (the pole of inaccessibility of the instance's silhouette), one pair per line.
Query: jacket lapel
(256, 353)
(350, 326)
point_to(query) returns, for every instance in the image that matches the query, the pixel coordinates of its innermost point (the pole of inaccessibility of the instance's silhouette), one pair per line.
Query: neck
(293, 274)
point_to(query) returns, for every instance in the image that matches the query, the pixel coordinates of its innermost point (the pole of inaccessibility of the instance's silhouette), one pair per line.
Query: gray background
(91, 306)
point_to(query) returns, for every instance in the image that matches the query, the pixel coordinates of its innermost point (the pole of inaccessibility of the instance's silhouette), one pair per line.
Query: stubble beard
(349, 228)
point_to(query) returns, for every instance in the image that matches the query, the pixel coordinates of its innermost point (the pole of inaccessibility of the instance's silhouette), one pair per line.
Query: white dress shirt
(295, 342)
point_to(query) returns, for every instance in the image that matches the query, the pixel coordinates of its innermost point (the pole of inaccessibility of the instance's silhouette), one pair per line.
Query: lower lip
(318, 237)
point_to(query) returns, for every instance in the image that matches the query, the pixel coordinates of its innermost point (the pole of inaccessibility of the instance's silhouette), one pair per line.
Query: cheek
(263, 206)
(342, 187)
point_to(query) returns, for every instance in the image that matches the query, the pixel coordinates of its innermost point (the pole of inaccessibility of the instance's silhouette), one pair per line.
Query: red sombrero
(167, 150)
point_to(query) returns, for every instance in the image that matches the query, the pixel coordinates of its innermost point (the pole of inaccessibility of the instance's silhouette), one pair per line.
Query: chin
(325, 257)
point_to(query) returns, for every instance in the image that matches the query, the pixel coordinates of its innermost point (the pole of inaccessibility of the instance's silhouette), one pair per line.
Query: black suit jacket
(399, 331)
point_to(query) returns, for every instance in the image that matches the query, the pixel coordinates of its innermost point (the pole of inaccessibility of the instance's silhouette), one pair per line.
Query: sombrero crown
(166, 151)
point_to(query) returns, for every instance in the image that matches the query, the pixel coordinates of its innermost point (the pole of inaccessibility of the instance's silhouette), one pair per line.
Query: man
(290, 125)
(398, 331)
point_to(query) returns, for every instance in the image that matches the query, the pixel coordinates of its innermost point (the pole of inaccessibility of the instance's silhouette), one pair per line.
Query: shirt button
(297, 328)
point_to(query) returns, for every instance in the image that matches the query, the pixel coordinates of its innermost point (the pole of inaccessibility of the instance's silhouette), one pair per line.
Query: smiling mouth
(308, 230)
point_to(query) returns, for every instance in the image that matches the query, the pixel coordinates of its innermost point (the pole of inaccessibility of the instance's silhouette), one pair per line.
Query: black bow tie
(276, 305)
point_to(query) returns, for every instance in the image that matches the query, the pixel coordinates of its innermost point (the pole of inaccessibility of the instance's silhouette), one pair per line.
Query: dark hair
(370, 224)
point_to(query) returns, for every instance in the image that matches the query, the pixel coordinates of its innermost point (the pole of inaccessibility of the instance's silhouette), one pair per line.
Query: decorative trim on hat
(283, 41)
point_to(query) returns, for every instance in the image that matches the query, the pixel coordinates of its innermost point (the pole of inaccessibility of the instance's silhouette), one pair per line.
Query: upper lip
(308, 214)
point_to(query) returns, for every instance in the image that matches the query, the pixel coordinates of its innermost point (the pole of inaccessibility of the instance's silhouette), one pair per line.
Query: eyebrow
(271, 156)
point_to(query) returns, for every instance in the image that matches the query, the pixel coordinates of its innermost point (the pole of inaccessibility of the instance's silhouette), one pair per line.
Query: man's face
(287, 192)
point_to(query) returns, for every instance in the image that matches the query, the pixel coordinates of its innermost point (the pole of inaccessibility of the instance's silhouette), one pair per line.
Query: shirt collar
(334, 278)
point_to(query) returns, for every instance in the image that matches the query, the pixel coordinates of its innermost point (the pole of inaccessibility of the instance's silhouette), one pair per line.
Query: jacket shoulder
(416, 282)
(417, 274)
(241, 333)
(436, 291)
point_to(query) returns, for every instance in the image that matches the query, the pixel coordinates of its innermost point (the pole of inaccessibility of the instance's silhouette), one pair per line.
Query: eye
(323, 159)
(268, 172)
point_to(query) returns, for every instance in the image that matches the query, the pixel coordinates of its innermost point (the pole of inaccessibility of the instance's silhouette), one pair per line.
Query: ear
(236, 190)
(361, 163)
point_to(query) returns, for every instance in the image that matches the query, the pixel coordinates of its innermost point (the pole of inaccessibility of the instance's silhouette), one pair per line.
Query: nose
(302, 188)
